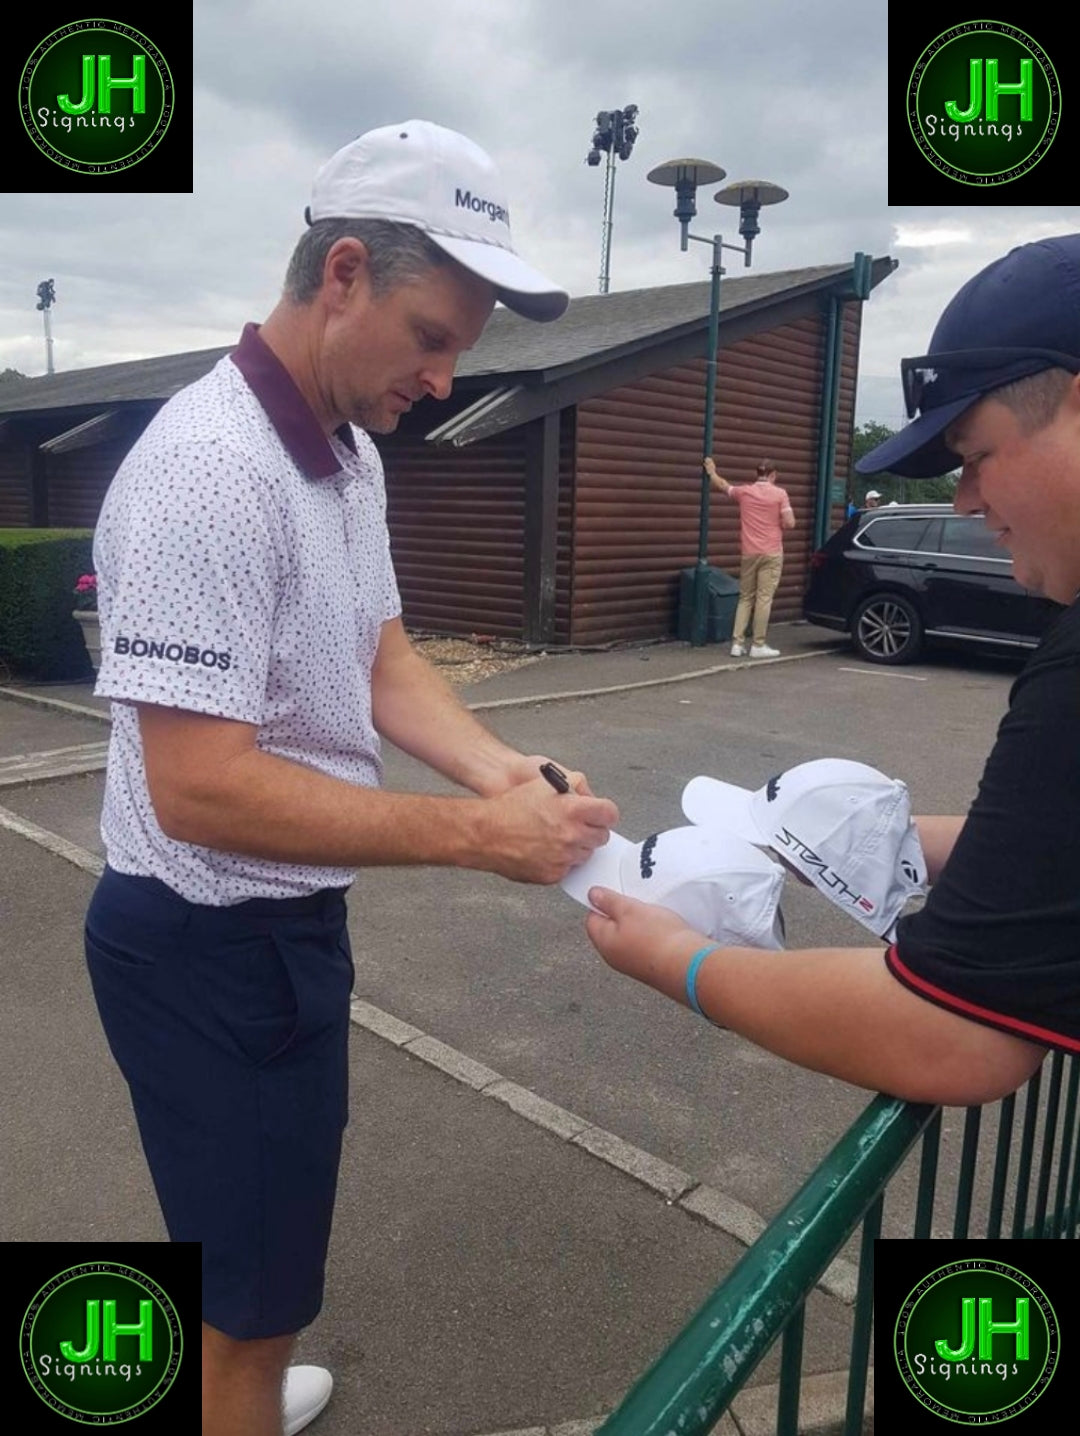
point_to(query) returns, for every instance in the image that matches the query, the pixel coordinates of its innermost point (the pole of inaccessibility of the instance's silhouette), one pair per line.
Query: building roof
(598, 324)
(153, 379)
(594, 329)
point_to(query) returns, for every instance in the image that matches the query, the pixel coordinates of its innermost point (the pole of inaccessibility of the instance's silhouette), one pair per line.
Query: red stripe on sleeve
(970, 1009)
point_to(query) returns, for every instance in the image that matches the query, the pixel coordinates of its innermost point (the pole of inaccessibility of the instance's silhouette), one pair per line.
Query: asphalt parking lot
(493, 1270)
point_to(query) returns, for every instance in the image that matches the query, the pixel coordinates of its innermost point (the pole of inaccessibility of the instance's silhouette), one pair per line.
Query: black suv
(894, 577)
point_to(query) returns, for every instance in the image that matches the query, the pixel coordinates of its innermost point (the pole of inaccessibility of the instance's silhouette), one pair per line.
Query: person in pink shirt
(764, 512)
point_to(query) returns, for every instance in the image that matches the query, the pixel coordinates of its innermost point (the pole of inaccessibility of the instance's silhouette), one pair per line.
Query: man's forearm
(840, 1011)
(414, 708)
(938, 836)
(717, 480)
(269, 807)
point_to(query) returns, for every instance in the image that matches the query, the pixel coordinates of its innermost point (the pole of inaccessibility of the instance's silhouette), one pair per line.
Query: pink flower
(86, 592)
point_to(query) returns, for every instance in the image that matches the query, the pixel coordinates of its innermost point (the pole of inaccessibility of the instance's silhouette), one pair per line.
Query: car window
(971, 537)
(906, 534)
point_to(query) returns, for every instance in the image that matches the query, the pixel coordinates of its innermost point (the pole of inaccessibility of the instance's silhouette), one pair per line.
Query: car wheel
(887, 629)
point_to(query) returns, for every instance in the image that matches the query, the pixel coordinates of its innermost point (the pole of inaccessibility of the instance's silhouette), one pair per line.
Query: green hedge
(38, 572)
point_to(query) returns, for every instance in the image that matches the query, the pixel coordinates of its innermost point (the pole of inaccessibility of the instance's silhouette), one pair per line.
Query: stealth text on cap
(468, 200)
(800, 851)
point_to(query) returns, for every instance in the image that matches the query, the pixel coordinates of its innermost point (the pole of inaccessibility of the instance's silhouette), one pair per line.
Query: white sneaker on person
(738, 650)
(762, 650)
(307, 1390)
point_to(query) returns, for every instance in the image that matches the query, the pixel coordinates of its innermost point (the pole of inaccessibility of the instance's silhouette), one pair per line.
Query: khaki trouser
(759, 577)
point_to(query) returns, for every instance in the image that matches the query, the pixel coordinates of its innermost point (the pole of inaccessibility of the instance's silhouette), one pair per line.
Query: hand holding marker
(556, 777)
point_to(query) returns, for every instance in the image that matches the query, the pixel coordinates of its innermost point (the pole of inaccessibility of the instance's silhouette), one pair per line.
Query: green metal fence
(1025, 1184)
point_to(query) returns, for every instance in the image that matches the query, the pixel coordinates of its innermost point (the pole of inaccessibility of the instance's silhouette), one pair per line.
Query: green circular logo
(101, 1343)
(96, 96)
(976, 1342)
(983, 103)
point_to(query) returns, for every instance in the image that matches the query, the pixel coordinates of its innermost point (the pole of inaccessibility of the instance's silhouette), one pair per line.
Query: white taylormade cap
(844, 826)
(421, 174)
(719, 884)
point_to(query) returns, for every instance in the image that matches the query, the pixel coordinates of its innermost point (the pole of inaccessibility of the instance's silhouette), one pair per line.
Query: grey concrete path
(547, 1168)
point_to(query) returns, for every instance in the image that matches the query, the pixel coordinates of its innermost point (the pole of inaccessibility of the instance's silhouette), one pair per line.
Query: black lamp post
(684, 176)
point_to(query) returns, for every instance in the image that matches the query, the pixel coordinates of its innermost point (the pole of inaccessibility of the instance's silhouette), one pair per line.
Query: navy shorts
(231, 1027)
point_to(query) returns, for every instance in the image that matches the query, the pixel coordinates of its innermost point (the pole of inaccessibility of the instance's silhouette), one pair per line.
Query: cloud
(778, 91)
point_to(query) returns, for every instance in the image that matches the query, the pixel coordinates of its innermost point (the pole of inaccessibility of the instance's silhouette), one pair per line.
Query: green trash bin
(723, 599)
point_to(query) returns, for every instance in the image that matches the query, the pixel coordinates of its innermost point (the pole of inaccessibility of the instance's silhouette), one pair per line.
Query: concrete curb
(678, 1188)
(739, 665)
(822, 1411)
(58, 705)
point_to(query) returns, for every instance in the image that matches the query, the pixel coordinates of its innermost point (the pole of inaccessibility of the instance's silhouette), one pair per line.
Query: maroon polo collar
(287, 409)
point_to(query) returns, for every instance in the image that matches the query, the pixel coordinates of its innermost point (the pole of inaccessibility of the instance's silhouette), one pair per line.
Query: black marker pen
(556, 777)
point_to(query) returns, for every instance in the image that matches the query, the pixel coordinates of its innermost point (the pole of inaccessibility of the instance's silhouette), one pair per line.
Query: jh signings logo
(983, 103)
(96, 96)
(976, 1342)
(101, 1343)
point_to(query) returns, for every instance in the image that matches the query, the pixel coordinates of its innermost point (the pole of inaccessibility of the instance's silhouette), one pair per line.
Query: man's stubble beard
(372, 418)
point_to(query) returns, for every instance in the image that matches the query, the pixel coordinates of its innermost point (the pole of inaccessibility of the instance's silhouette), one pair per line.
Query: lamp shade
(741, 192)
(673, 172)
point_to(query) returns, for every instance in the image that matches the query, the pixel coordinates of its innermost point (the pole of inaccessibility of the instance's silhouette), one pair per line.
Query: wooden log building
(554, 497)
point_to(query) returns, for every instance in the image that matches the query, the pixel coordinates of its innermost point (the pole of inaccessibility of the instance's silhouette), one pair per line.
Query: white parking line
(886, 673)
(52, 842)
(23, 768)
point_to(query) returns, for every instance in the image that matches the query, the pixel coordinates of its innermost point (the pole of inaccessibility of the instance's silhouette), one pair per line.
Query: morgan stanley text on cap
(422, 174)
(1017, 316)
(719, 884)
(844, 826)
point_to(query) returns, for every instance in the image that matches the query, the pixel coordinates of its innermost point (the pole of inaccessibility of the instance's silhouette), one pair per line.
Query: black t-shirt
(999, 937)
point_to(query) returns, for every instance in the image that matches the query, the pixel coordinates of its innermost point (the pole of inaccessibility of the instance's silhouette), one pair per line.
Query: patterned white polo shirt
(244, 571)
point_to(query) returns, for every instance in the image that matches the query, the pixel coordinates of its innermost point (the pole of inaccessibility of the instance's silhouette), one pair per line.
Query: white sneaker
(738, 650)
(762, 650)
(307, 1390)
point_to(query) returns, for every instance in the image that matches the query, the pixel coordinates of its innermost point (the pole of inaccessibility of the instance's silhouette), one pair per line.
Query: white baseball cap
(872, 494)
(719, 884)
(844, 826)
(422, 174)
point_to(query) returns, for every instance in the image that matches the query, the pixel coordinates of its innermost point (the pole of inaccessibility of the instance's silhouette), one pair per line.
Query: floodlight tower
(46, 299)
(616, 131)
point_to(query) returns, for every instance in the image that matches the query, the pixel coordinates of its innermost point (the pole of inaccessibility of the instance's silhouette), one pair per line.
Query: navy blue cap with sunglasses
(1017, 316)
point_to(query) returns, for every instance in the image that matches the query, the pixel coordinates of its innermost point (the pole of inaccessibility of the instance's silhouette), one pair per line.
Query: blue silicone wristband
(691, 976)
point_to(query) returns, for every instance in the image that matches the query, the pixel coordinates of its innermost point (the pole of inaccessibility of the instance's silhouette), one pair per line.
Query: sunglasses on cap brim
(917, 374)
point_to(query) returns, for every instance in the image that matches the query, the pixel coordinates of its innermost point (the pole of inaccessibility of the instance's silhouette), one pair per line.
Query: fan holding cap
(977, 984)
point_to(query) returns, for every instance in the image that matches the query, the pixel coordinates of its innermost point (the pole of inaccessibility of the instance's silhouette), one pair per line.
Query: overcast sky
(778, 89)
